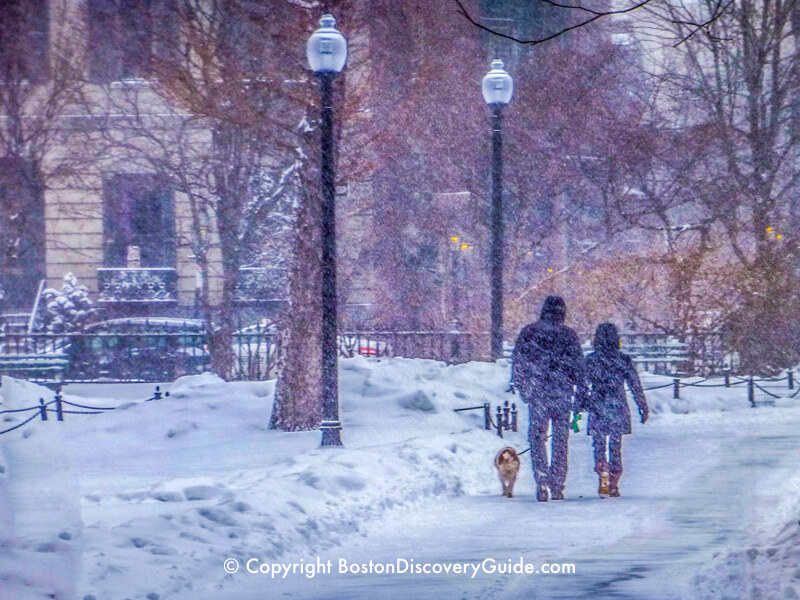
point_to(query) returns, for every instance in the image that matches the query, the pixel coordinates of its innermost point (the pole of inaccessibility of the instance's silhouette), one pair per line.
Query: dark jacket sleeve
(583, 402)
(579, 376)
(635, 385)
(520, 367)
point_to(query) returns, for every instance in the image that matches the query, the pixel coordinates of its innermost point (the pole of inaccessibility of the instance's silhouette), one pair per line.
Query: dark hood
(554, 309)
(606, 337)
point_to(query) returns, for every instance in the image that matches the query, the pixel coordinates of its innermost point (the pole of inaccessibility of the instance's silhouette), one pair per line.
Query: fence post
(487, 415)
(157, 394)
(42, 409)
(455, 341)
(727, 379)
(790, 374)
(499, 421)
(751, 392)
(513, 416)
(59, 407)
(506, 412)
(676, 388)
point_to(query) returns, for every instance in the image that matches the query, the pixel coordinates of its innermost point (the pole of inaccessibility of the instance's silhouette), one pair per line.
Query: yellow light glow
(769, 228)
(464, 246)
(454, 238)
(778, 236)
(549, 270)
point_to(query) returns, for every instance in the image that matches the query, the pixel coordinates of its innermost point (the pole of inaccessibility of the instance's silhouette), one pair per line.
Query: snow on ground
(147, 501)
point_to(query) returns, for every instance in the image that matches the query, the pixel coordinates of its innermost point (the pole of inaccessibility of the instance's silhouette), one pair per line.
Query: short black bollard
(513, 417)
(43, 409)
(727, 379)
(157, 394)
(455, 351)
(676, 388)
(487, 415)
(790, 375)
(751, 392)
(499, 421)
(506, 413)
(59, 407)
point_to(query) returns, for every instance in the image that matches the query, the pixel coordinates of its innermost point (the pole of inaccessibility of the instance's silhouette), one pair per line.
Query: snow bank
(184, 385)
(697, 395)
(769, 567)
(198, 475)
(771, 570)
(6, 521)
(167, 489)
(42, 565)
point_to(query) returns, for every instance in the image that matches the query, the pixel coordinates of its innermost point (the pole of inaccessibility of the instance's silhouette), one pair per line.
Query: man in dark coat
(608, 370)
(548, 370)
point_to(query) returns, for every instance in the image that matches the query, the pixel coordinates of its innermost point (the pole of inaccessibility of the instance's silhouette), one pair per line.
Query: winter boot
(601, 468)
(604, 490)
(557, 494)
(541, 493)
(613, 484)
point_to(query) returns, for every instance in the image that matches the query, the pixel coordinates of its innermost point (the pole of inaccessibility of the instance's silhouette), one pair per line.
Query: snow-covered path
(146, 502)
(693, 495)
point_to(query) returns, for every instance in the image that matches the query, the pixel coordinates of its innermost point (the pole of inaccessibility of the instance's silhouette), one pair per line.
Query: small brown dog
(507, 463)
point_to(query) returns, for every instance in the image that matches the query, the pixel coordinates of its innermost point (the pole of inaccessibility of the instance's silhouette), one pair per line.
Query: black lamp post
(327, 53)
(497, 89)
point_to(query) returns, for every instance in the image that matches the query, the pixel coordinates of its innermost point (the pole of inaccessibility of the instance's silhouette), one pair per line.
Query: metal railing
(156, 356)
(767, 398)
(60, 408)
(453, 347)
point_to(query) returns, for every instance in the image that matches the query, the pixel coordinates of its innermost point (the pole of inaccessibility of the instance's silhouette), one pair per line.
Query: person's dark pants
(554, 473)
(614, 457)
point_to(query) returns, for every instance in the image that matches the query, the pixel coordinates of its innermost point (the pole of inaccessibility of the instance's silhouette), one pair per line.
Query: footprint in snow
(167, 496)
(202, 492)
(220, 517)
(181, 429)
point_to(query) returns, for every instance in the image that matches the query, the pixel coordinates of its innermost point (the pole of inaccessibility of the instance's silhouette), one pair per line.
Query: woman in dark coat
(608, 370)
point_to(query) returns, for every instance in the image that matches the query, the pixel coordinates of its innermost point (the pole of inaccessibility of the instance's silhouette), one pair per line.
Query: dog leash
(528, 449)
(575, 428)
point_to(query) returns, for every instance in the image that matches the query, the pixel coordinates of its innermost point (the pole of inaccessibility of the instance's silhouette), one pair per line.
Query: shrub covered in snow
(68, 309)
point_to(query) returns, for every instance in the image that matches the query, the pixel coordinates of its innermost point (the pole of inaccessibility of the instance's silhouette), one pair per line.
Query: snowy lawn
(148, 501)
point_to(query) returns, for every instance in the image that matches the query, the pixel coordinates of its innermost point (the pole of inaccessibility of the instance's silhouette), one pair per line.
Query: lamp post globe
(326, 51)
(497, 88)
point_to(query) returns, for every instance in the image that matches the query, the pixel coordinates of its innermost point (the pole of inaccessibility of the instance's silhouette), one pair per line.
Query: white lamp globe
(326, 49)
(497, 86)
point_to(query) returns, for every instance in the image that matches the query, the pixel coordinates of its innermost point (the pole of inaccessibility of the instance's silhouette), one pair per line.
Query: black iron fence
(453, 347)
(762, 397)
(142, 355)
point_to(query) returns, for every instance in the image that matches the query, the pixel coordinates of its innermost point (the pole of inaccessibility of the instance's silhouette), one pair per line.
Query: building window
(126, 35)
(24, 40)
(139, 222)
(22, 247)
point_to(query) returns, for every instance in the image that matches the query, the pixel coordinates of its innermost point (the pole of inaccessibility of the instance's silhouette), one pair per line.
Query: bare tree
(581, 16)
(39, 83)
(711, 184)
(744, 92)
(223, 134)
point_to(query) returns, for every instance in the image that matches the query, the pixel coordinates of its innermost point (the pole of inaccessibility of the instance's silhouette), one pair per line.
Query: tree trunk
(222, 337)
(298, 393)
